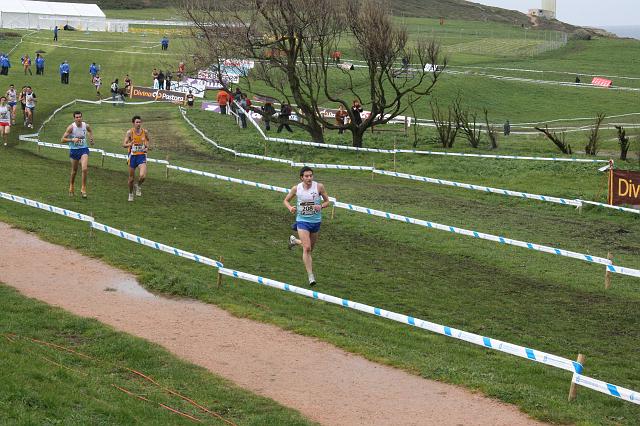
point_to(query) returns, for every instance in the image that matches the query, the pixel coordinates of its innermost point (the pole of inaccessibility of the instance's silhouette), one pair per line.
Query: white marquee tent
(46, 15)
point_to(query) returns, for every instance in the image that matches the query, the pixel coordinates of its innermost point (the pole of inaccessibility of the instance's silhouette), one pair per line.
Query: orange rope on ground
(173, 392)
(63, 366)
(173, 410)
(216, 415)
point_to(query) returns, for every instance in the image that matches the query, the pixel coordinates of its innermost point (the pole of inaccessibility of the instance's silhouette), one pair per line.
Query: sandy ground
(323, 382)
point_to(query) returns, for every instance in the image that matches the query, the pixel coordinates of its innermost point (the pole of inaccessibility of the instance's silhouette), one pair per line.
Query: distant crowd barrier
(576, 368)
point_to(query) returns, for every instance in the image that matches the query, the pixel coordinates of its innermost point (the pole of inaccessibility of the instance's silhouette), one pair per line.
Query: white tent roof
(51, 8)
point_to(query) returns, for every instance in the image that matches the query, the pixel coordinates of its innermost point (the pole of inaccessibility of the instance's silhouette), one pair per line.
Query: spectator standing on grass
(154, 74)
(66, 70)
(507, 128)
(285, 113)
(268, 111)
(242, 111)
(223, 100)
(181, 68)
(356, 110)
(93, 70)
(115, 87)
(190, 99)
(55, 33)
(167, 80)
(165, 43)
(26, 64)
(60, 68)
(160, 80)
(5, 64)
(39, 64)
(341, 115)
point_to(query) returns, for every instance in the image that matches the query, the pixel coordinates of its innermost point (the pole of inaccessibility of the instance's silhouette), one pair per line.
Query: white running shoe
(312, 280)
(292, 242)
(138, 190)
(131, 196)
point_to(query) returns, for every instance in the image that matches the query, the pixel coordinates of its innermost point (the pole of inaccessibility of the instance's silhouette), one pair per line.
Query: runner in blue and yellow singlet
(76, 137)
(137, 141)
(311, 198)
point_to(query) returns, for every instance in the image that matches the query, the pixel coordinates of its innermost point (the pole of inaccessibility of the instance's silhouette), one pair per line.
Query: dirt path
(324, 383)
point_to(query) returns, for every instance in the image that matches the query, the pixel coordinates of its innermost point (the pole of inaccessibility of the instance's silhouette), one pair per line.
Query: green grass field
(541, 301)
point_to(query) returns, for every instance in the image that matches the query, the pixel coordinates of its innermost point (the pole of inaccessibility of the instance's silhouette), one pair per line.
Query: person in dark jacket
(268, 111)
(285, 113)
(356, 110)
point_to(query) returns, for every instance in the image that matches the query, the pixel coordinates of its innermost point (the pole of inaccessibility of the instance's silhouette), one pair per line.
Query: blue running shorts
(136, 160)
(308, 226)
(76, 154)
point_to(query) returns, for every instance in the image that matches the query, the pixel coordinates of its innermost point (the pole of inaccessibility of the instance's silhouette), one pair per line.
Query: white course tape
(229, 179)
(333, 166)
(392, 216)
(576, 203)
(607, 388)
(486, 342)
(155, 245)
(609, 206)
(47, 207)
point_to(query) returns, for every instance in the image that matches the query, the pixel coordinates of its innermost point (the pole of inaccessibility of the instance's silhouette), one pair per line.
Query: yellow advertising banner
(150, 93)
(624, 187)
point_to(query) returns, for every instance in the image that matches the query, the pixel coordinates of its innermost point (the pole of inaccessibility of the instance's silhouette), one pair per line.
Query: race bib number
(4, 116)
(306, 208)
(135, 149)
(80, 141)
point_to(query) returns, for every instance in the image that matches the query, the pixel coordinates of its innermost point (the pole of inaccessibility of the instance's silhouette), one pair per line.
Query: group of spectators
(240, 104)
(342, 115)
(25, 60)
(162, 80)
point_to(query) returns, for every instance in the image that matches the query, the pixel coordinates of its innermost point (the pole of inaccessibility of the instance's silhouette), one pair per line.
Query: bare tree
(446, 124)
(492, 132)
(558, 140)
(594, 136)
(624, 141)
(292, 43)
(467, 122)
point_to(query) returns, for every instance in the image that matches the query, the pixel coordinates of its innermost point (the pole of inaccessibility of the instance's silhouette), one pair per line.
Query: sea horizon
(632, 31)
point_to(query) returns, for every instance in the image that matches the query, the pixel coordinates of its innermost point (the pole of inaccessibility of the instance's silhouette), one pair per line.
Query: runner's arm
(147, 139)
(127, 140)
(325, 197)
(90, 131)
(66, 138)
(288, 198)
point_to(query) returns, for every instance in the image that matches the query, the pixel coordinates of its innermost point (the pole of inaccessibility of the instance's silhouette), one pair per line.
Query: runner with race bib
(137, 141)
(76, 137)
(311, 198)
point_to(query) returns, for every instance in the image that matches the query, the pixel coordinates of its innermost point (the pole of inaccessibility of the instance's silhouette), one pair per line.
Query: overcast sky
(582, 12)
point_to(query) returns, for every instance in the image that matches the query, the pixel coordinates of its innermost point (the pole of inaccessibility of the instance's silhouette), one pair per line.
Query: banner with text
(624, 187)
(157, 95)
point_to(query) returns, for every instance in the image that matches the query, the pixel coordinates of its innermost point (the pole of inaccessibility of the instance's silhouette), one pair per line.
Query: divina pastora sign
(150, 93)
(624, 187)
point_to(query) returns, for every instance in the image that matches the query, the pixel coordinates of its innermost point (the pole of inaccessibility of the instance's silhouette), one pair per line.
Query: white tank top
(306, 199)
(12, 96)
(80, 133)
(5, 114)
(29, 100)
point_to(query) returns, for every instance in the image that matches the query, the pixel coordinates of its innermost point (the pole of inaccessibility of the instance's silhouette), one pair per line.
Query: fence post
(167, 169)
(607, 273)
(333, 210)
(219, 280)
(394, 154)
(373, 171)
(102, 160)
(90, 227)
(574, 388)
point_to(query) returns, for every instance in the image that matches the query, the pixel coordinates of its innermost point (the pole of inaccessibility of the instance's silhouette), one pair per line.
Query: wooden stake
(102, 161)
(265, 147)
(90, 227)
(167, 169)
(333, 209)
(394, 154)
(219, 281)
(372, 173)
(574, 388)
(607, 273)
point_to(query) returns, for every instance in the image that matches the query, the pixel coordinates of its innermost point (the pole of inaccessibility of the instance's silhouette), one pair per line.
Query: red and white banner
(599, 81)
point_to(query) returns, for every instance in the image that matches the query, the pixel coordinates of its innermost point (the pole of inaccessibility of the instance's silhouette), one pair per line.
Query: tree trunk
(358, 135)
(315, 130)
